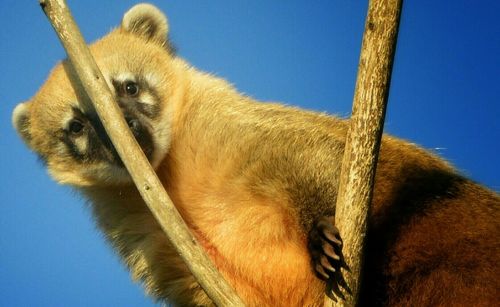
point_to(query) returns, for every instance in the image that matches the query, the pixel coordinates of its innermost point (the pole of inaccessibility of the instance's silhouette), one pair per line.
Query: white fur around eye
(152, 79)
(124, 76)
(67, 118)
(82, 144)
(147, 99)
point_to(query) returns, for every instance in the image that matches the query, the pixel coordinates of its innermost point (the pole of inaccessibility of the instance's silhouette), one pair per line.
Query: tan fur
(249, 178)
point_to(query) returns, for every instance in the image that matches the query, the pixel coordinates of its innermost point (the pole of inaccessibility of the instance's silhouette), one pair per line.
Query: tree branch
(363, 139)
(134, 159)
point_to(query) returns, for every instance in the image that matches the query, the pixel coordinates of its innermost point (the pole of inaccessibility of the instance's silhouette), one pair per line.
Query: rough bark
(363, 139)
(134, 159)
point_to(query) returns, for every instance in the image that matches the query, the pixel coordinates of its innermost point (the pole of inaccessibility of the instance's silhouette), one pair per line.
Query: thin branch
(134, 159)
(363, 139)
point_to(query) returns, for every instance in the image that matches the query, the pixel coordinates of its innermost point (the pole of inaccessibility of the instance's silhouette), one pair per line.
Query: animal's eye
(75, 127)
(131, 88)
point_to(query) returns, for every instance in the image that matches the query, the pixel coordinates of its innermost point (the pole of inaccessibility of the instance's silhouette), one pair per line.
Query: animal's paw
(325, 247)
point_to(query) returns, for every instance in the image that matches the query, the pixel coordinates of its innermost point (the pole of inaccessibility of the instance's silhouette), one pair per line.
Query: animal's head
(136, 61)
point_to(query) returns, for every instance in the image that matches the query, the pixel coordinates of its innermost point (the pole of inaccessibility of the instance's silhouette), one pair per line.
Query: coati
(256, 183)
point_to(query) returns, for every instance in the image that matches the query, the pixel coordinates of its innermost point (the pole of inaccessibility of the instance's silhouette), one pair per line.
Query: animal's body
(252, 180)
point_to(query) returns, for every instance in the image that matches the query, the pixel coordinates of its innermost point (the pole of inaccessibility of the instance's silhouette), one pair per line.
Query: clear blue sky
(445, 96)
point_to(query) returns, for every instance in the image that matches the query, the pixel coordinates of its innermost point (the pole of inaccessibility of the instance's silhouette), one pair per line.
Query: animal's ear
(21, 121)
(147, 21)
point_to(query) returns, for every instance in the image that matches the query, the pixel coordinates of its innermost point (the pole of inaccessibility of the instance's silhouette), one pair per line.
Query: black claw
(329, 251)
(329, 292)
(326, 264)
(332, 238)
(321, 271)
(344, 265)
(336, 290)
(341, 282)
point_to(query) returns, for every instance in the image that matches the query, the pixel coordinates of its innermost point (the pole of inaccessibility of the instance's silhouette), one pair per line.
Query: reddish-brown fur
(434, 235)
